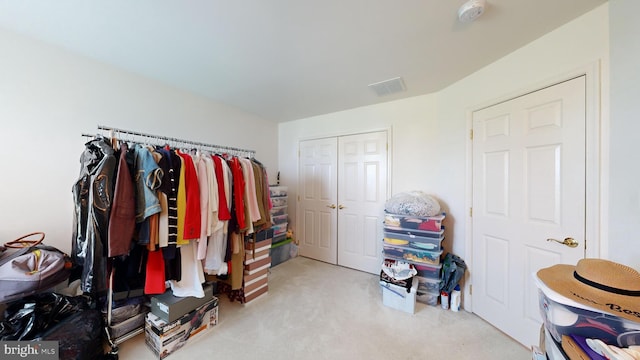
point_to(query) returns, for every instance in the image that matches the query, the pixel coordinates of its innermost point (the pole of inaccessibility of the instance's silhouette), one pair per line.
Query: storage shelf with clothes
(154, 213)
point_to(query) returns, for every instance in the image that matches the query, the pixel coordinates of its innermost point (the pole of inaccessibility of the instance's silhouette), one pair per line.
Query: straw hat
(605, 285)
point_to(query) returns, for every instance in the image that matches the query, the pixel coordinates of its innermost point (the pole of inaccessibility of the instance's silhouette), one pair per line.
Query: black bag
(70, 320)
(28, 267)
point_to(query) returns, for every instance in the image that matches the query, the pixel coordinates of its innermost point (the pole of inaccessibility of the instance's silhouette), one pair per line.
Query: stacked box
(281, 243)
(165, 338)
(169, 307)
(418, 241)
(257, 262)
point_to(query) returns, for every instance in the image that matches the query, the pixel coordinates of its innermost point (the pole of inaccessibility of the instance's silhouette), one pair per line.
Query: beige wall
(430, 132)
(48, 97)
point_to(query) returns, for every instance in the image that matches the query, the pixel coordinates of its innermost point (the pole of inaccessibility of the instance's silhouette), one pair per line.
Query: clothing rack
(160, 140)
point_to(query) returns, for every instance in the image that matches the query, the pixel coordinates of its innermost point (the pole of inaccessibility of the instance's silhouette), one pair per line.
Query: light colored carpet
(319, 311)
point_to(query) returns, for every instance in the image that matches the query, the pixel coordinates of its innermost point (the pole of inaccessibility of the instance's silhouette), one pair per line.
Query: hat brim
(560, 279)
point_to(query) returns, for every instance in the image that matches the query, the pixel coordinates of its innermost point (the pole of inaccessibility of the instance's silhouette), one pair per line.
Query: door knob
(341, 207)
(570, 242)
(333, 206)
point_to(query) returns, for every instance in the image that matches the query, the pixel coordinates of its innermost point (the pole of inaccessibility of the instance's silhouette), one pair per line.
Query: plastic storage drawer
(426, 243)
(279, 229)
(427, 297)
(427, 223)
(414, 233)
(279, 201)
(278, 190)
(413, 254)
(279, 219)
(428, 271)
(427, 284)
(278, 210)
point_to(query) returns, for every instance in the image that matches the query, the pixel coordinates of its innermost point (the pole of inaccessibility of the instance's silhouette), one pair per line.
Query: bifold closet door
(342, 189)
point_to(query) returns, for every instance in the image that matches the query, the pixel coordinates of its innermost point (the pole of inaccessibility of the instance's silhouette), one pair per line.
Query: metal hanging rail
(175, 142)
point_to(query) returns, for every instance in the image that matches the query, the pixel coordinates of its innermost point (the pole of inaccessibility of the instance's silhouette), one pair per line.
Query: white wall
(48, 97)
(624, 202)
(430, 132)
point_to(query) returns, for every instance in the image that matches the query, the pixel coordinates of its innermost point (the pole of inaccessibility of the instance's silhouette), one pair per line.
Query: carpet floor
(314, 310)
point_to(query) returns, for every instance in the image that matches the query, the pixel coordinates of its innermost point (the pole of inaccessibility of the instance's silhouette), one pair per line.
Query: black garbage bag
(31, 316)
(79, 336)
(453, 268)
(72, 321)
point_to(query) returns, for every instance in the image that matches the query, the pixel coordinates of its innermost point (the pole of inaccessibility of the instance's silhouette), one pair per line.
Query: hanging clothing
(92, 195)
(223, 195)
(238, 192)
(192, 274)
(192, 212)
(147, 177)
(204, 189)
(122, 219)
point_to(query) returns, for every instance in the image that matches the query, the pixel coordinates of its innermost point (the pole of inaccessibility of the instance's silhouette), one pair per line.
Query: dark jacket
(92, 195)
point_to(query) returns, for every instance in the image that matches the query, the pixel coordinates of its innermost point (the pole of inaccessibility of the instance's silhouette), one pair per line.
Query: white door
(528, 186)
(317, 188)
(343, 187)
(362, 192)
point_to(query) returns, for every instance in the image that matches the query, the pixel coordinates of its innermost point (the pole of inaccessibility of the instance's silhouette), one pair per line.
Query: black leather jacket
(92, 195)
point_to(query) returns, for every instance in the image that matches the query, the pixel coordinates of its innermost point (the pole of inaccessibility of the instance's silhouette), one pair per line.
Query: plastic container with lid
(425, 223)
(412, 254)
(277, 190)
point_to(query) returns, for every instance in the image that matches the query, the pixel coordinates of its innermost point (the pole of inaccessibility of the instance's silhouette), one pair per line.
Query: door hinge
(298, 198)
(471, 134)
(470, 289)
(470, 212)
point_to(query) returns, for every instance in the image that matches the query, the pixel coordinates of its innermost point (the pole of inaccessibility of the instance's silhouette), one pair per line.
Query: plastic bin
(279, 201)
(277, 190)
(427, 284)
(427, 223)
(560, 318)
(280, 252)
(411, 254)
(426, 242)
(278, 211)
(427, 297)
(428, 271)
(279, 219)
(279, 229)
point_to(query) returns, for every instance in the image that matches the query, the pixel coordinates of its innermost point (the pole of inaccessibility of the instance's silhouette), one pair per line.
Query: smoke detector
(471, 10)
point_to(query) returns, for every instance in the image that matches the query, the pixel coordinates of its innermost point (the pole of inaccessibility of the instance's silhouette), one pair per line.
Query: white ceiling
(290, 59)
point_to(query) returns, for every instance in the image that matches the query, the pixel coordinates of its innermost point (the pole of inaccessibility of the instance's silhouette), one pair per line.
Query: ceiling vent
(388, 87)
(471, 10)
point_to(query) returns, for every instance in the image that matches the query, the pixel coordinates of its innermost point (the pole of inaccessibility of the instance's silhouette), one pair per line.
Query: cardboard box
(257, 266)
(259, 245)
(250, 277)
(397, 297)
(164, 338)
(170, 308)
(254, 294)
